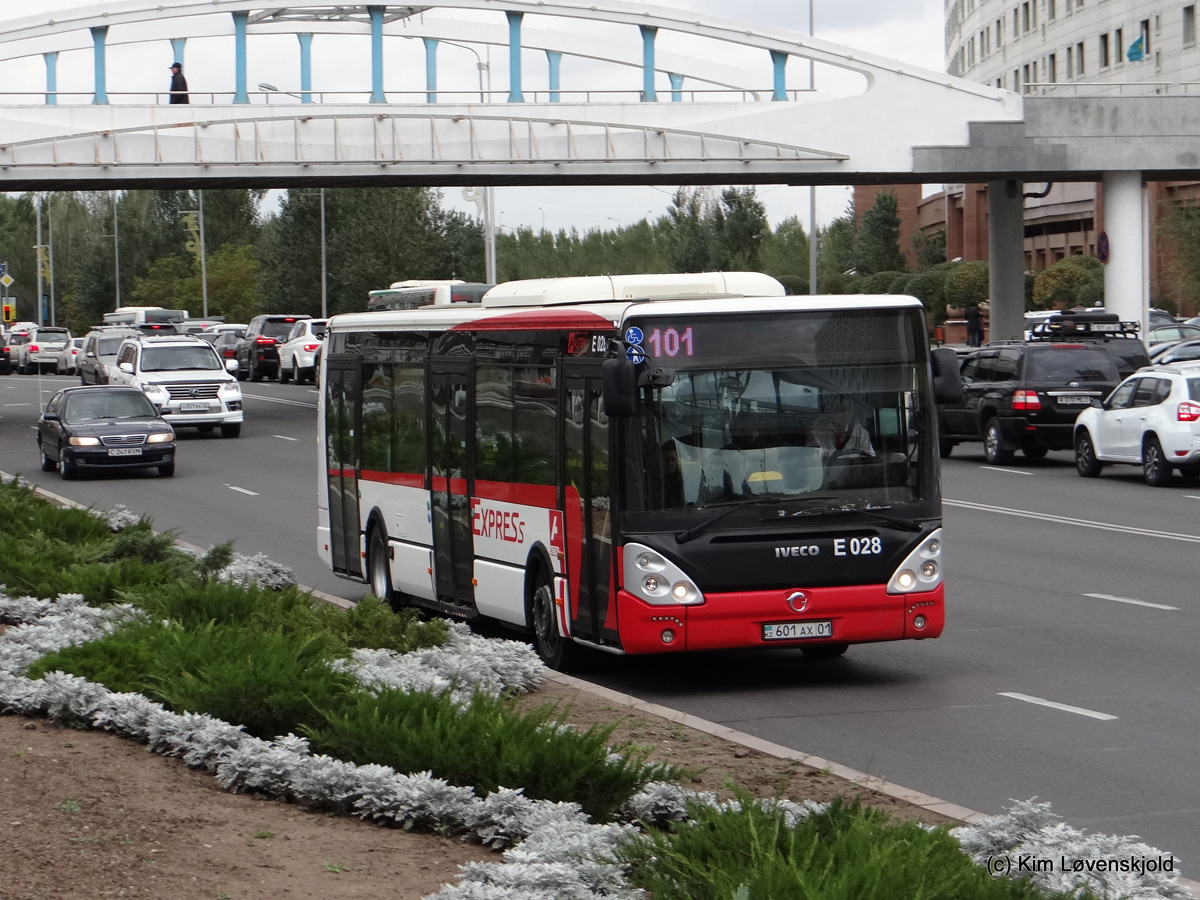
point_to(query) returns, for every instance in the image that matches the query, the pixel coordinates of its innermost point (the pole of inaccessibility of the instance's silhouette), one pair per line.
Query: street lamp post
(116, 253)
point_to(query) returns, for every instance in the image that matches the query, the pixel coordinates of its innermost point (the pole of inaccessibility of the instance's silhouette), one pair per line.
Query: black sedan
(104, 427)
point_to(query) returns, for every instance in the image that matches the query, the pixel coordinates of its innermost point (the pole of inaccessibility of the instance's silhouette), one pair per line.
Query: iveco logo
(797, 602)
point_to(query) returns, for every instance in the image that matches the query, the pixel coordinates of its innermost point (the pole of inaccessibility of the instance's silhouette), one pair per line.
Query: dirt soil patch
(86, 815)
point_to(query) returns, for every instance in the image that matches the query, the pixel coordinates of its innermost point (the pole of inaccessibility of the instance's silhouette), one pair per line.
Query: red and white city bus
(642, 463)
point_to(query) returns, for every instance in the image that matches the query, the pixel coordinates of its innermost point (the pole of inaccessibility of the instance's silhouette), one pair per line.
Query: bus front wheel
(555, 651)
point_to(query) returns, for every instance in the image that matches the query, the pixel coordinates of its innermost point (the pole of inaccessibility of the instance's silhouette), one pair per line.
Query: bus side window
(534, 441)
(377, 417)
(408, 419)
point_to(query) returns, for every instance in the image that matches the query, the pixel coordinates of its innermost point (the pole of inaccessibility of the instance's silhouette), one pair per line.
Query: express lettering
(497, 525)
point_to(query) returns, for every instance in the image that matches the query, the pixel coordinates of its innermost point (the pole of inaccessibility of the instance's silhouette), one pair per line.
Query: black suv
(1025, 396)
(257, 353)
(1104, 329)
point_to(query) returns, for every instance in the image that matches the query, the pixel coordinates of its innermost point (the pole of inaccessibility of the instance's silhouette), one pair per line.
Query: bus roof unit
(594, 288)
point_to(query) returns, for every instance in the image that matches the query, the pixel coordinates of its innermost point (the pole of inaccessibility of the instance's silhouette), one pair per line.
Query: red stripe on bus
(542, 495)
(404, 479)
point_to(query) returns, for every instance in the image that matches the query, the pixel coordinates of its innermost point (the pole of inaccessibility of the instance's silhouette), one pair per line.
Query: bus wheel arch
(541, 612)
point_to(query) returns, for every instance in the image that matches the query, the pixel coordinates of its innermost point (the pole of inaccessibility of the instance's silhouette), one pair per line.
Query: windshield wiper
(684, 536)
(871, 512)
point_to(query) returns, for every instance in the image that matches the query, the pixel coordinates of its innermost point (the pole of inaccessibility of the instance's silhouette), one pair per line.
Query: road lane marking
(18, 404)
(1066, 520)
(1192, 496)
(241, 490)
(279, 400)
(1006, 471)
(284, 437)
(1078, 710)
(1128, 600)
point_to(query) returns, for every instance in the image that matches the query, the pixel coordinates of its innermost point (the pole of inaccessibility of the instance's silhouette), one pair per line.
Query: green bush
(846, 853)
(967, 284)
(879, 282)
(486, 745)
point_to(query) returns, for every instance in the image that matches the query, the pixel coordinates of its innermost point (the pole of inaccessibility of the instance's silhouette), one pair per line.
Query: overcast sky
(908, 30)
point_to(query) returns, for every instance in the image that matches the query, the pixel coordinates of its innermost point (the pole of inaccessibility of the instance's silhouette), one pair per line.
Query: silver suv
(40, 350)
(182, 376)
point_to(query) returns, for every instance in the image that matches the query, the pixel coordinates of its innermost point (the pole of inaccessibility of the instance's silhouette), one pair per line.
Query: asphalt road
(1067, 669)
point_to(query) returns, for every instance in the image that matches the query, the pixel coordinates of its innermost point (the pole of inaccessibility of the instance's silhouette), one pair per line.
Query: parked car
(258, 351)
(103, 427)
(6, 365)
(40, 348)
(1176, 351)
(99, 352)
(298, 352)
(1180, 331)
(225, 326)
(1024, 396)
(182, 376)
(65, 364)
(1152, 419)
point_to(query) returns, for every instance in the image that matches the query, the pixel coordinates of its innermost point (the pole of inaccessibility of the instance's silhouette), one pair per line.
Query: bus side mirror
(947, 382)
(620, 388)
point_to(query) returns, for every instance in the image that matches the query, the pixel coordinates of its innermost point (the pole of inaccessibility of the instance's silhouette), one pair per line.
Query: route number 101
(669, 342)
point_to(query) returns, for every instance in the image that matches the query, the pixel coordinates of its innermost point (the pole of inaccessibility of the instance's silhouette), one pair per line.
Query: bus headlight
(921, 570)
(653, 578)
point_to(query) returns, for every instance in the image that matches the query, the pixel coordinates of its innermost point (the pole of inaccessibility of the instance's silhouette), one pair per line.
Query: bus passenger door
(587, 513)
(450, 499)
(341, 454)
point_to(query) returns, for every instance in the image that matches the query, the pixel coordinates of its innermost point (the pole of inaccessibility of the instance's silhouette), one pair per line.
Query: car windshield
(89, 406)
(318, 329)
(175, 359)
(1070, 364)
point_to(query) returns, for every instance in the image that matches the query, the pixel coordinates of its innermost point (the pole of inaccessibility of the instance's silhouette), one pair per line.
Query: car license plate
(124, 451)
(790, 631)
(1075, 400)
(193, 407)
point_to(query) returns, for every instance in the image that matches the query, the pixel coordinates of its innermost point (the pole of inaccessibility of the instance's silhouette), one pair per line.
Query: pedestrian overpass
(621, 93)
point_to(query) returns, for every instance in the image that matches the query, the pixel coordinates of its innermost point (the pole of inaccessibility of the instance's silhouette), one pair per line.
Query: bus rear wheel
(377, 566)
(555, 651)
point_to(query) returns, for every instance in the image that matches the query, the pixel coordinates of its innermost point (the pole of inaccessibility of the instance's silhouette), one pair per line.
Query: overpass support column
(676, 87)
(648, 36)
(1127, 275)
(240, 94)
(779, 64)
(177, 48)
(51, 77)
(305, 67)
(376, 13)
(431, 45)
(554, 64)
(514, 57)
(1006, 260)
(100, 93)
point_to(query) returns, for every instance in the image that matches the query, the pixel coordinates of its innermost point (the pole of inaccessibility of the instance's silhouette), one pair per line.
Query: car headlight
(155, 392)
(230, 388)
(160, 437)
(921, 570)
(655, 579)
(85, 442)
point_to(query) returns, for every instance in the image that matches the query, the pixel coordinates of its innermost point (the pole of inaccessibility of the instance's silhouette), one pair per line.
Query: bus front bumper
(836, 615)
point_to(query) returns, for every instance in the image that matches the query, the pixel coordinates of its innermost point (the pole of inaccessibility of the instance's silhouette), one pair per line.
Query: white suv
(299, 349)
(40, 350)
(183, 376)
(1151, 419)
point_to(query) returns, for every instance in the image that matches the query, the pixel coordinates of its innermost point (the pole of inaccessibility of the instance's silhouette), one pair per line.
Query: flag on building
(1137, 50)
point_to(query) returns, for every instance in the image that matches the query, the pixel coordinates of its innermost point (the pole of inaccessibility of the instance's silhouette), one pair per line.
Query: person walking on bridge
(178, 84)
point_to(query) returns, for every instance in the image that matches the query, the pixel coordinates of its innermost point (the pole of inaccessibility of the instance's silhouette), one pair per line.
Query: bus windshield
(817, 410)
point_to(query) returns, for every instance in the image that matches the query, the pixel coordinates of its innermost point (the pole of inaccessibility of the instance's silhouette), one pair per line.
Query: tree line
(256, 262)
